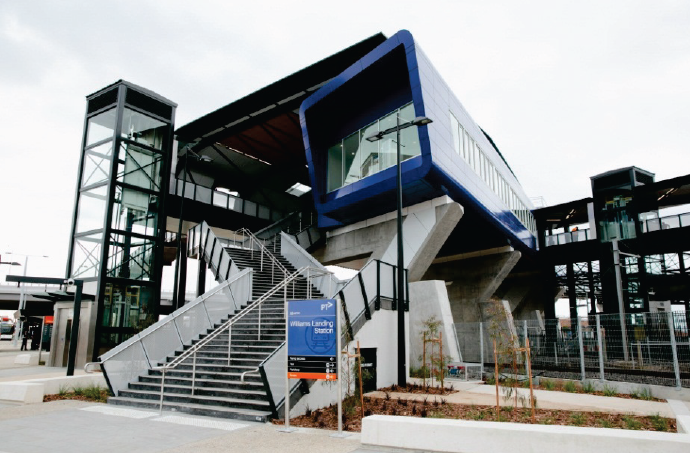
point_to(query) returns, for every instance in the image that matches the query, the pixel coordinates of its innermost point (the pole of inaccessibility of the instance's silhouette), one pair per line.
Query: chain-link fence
(645, 348)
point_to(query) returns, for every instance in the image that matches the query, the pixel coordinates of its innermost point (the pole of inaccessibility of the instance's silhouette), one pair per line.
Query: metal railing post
(600, 345)
(259, 333)
(672, 333)
(193, 371)
(582, 349)
(481, 347)
(229, 342)
(160, 409)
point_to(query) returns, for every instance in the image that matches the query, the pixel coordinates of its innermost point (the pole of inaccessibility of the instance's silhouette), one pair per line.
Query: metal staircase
(219, 373)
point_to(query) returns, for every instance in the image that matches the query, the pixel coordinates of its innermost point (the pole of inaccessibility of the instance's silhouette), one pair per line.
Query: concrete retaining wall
(442, 435)
(33, 391)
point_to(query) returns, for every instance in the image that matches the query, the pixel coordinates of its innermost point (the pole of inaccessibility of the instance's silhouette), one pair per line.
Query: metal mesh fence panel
(642, 348)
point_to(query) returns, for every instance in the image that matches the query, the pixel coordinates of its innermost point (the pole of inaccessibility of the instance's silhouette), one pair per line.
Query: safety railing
(145, 350)
(375, 283)
(207, 195)
(666, 222)
(255, 308)
(201, 239)
(327, 284)
(567, 237)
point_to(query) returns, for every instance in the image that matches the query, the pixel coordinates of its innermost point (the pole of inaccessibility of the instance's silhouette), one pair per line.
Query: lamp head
(421, 121)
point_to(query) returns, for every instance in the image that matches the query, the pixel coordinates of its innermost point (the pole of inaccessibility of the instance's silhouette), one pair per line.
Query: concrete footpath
(75, 427)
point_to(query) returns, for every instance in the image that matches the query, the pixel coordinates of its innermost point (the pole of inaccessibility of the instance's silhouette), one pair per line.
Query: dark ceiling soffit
(300, 81)
(563, 207)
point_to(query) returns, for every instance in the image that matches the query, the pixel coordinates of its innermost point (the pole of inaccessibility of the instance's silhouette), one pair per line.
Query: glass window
(130, 257)
(101, 126)
(128, 306)
(351, 158)
(335, 167)
(455, 129)
(143, 129)
(466, 145)
(369, 158)
(96, 168)
(135, 211)
(86, 256)
(92, 204)
(409, 143)
(139, 167)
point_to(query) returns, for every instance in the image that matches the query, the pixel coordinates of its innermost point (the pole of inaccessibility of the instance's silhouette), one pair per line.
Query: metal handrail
(227, 325)
(263, 250)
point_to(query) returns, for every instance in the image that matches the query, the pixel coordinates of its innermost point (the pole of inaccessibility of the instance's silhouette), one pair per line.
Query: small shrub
(549, 384)
(631, 422)
(423, 413)
(307, 411)
(414, 410)
(570, 387)
(609, 391)
(388, 396)
(659, 423)
(642, 393)
(588, 387)
(578, 419)
(604, 423)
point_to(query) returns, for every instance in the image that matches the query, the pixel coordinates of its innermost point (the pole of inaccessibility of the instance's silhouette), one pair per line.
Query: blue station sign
(312, 339)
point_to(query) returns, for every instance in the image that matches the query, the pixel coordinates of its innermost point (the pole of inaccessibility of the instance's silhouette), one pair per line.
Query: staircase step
(196, 409)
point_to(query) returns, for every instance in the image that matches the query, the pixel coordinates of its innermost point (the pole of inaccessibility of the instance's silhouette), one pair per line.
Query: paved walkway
(76, 427)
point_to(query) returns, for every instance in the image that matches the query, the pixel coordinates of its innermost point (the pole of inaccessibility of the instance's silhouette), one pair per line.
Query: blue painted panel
(439, 166)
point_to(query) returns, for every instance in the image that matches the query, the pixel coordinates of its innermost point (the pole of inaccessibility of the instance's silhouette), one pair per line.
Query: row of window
(470, 151)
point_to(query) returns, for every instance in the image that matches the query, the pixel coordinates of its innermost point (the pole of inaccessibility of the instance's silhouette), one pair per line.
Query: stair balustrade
(137, 355)
(255, 307)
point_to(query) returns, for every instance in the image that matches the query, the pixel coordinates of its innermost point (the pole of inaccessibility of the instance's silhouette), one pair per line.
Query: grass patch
(548, 384)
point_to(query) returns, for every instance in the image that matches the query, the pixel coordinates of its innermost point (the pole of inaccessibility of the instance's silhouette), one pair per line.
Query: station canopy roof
(255, 142)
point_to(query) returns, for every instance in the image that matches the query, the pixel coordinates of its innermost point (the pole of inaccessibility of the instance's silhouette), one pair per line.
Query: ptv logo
(326, 306)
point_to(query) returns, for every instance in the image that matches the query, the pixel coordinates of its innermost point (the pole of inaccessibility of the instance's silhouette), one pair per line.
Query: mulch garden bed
(436, 407)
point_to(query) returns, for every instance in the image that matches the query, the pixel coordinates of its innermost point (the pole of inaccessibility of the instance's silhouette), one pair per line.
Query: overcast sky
(567, 89)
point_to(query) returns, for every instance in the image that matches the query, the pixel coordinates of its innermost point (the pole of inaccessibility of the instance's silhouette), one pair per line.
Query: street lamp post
(178, 255)
(402, 356)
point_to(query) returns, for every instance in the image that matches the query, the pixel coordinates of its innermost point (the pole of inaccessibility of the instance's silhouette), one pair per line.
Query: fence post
(481, 347)
(672, 333)
(582, 349)
(601, 350)
(524, 326)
